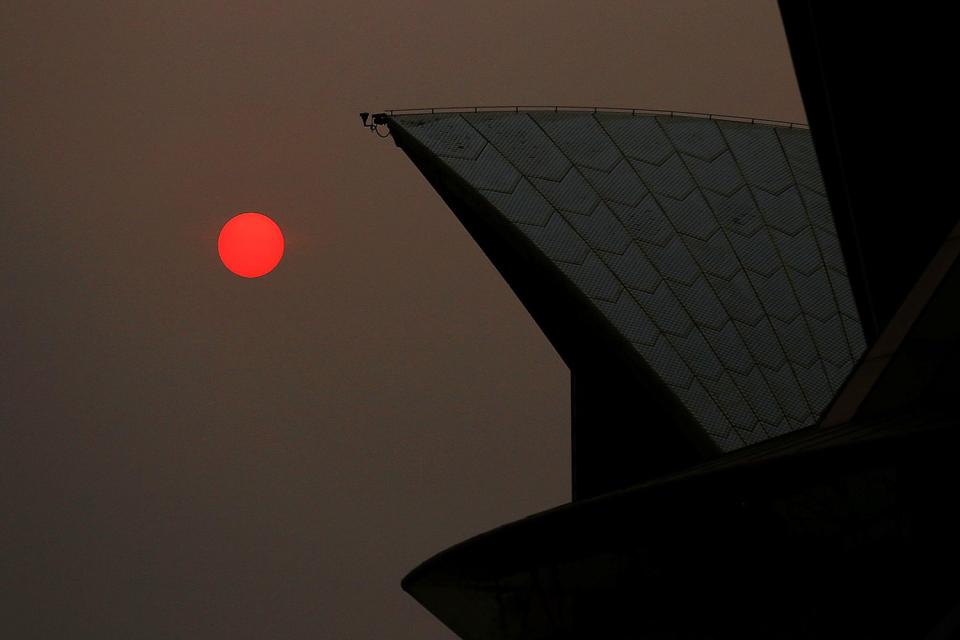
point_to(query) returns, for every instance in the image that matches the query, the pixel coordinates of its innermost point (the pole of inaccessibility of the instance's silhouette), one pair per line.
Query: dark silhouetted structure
(764, 363)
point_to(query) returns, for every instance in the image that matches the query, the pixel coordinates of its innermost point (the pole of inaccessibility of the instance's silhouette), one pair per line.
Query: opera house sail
(764, 416)
(762, 325)
(687, 269)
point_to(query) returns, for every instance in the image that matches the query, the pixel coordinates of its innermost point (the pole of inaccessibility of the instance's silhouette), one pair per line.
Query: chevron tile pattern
(708, 244)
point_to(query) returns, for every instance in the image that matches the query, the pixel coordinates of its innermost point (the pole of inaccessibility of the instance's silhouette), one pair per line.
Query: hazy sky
(188, 454)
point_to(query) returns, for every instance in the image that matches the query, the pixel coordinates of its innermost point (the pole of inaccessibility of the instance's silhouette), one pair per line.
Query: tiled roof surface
(708, 244)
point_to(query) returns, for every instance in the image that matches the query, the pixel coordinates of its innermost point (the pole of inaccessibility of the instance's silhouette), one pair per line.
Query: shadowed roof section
(857, 513)
(883, 175)
(704, 248)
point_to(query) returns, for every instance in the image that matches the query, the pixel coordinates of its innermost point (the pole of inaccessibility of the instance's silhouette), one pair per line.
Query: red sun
(250, 245)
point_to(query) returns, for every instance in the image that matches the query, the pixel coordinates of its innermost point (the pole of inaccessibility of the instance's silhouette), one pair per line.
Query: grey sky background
(188, 454)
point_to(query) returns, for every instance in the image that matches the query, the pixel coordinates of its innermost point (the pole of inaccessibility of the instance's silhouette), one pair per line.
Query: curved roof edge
(643, 558)
(624, 110)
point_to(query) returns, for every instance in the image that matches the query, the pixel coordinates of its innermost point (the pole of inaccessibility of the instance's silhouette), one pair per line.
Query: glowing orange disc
(250, 245)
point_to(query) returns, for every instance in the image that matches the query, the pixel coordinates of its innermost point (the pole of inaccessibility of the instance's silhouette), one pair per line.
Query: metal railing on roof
(634, 112)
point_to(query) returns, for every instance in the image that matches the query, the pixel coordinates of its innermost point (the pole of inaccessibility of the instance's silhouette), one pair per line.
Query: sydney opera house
(760, 321)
